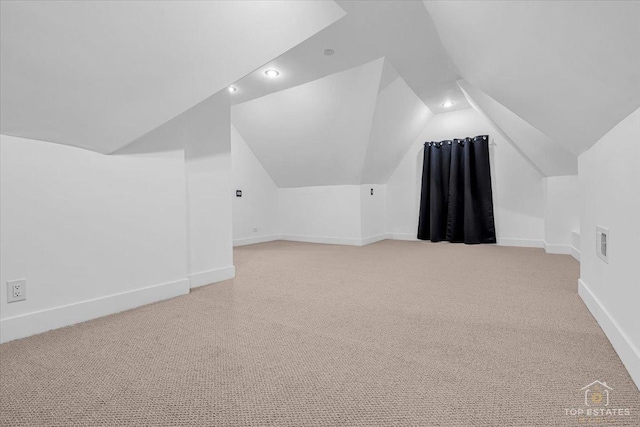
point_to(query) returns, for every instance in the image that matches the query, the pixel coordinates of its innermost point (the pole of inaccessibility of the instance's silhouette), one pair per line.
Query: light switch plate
(16, 290)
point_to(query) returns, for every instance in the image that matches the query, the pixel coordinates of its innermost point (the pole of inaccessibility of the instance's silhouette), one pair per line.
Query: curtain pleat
(456, 202)
(439, 195)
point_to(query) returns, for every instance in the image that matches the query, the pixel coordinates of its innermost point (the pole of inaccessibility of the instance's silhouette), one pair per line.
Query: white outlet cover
(20, 293)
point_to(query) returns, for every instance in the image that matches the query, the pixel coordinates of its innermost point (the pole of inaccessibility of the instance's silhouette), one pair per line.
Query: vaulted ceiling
(98, 75)
(569, 69)
(399, 117)
(351, 127)
(400, 31)
(549, 157)
(552, 77)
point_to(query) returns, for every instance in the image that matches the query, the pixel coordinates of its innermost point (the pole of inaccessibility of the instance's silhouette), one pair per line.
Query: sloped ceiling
(315, 133)
(351, 127)
(552, 76)
(398, 119)
(570, 69)
(400, 31)
(549, 157)
(98, 75)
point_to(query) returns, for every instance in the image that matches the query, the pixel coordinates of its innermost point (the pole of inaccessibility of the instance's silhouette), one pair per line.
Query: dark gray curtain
(456, 202)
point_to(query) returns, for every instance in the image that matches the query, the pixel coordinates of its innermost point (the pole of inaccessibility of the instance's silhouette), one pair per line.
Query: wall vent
(602, 243)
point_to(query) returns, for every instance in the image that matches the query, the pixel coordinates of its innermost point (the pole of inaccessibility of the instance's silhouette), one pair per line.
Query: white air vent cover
(602, 243)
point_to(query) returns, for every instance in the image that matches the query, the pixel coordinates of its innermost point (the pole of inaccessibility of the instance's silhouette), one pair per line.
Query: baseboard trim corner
(628, 353)
(257, 239)
(212, 276)
(335, 240)
(552, 248)
(322, 239)
(374, 239)
(574, 253)
(38, 322)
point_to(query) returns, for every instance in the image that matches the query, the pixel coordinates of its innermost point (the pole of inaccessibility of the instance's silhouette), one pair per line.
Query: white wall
(208, 155)
(609, 175)
(518, 189)
(92, 234)
(336, 214)
(324, 214)
(373, 212)
(258, 206)
(561, 214)
(204, 133)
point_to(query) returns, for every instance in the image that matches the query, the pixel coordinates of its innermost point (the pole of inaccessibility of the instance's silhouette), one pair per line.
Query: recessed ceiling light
(232, 89)
(329, 52)
(447, 104)
(272, 73)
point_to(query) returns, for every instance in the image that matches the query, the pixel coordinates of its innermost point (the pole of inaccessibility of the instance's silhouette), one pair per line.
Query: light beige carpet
(394, 333)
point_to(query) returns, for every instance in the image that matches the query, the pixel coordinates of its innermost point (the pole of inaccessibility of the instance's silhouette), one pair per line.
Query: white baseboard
(41, 321)
(574, 253)
(335, 240)
(552, 248)
(524, 243)
(520, 243)
(212, 276)
(629, 354)
(373, 239)
(322, 239)
(257, 239)
(562, 249)
(404, 236)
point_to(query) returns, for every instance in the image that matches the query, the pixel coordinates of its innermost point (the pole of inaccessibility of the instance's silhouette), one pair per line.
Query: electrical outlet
(16, 290)
(255, 229)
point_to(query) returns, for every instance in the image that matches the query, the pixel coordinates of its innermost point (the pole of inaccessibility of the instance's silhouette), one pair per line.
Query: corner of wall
(212, 276)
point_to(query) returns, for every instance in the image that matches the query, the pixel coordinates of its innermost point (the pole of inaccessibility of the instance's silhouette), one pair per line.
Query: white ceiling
(510, 52)
(548, 156)
(570, 69)
(316, 133)
(398, 119)
(98, 75)
(352, 127)
(400, 31)
(553, 76)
